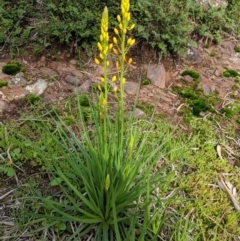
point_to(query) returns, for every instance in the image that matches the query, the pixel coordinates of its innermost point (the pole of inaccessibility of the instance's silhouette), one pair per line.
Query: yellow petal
(119, 18)
(129, 61)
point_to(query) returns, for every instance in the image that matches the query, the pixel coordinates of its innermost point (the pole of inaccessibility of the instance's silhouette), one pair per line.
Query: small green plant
(237, 49)
(194, 74)
(3, 83)
(146, 82)
(11, 68)
(228, 112)
(32, 99)
(230, 73)
(111, 183)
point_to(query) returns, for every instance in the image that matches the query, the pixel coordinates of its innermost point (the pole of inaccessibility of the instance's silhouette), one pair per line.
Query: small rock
(73, 80)
(131, 88)
(193, 55)
(17, 81)
(3, 105)
(48, 73)
(157, 75)
(138, 113)
(188, 78)
(84, 88)
(73, 61)
(207, 90)
(37, 88)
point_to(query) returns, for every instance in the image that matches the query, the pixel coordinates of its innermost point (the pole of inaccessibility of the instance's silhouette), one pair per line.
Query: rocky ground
(56, 79)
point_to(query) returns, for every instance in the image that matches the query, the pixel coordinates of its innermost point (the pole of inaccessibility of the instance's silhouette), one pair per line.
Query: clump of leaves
(3, 83)
(230, 73)
(194, 74)
(11, 68)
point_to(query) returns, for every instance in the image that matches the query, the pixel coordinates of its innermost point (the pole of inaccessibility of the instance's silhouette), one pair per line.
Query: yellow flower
(114, 78)
(115, 51)
(116, 31)
(119, 18)
(102, 79)
(101, 56)
(104, 102)
(97, 61)
(110, 46)
(115, 89)
(117, 64)
(121, 26)
(132, 42)
(99, 46)
(132, 27)
(129, 41)
(101, 38)
(123, 81)
(107, 63)
(107, 182)
(130, 61)
(99, 87)
(124, 30)
(128, 17)
(115, 40)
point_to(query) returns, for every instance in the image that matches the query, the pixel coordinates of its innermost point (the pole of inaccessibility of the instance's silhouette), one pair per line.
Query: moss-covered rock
(194, 74)
(11, 68)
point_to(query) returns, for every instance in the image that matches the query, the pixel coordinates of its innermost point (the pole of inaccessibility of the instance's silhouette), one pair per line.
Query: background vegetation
(167, 26)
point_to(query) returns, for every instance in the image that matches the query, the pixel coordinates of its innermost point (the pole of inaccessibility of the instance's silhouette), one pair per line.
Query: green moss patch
(237, 49)
(3, 83)
(146, 82)
(194, 74)
(11, 68)
(32, 99)
(230, 73)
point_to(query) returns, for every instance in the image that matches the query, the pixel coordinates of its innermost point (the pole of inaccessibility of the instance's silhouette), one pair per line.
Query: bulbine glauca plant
(108, 189)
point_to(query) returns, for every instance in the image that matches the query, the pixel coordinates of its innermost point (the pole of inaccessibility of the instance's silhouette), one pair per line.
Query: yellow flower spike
(123, 81)
(115, 40)
(132, 42)
(97, 61)
(99, 46)
(110, 46)
(117, 64)
(132, 27)
(107, 63)
(104, 22)
(119, 18)
(115, 51)
(115, 89)
(107, 182)
(114, 78)
(116, 31)
(104, 102)
(101, 55)
(99, 87)
(102, 79)
(130, 61)
(121, 26)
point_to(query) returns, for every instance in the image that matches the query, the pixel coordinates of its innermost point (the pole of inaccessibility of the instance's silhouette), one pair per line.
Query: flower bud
(120, 26)
(119, 18)
(124, 30)
(115, 40)
(129, 41)
(102, 79)
(115, 89)
(132, 27)
(115, 51)
(97, 61)
(99, 87)
(104, 102)
(101, 56)
(129, 61)
(99, 46)
(116, 31)
(123, 81)
(110, 46)
(132, 42)
(114, 78)
(107, 63)
(117, 64)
